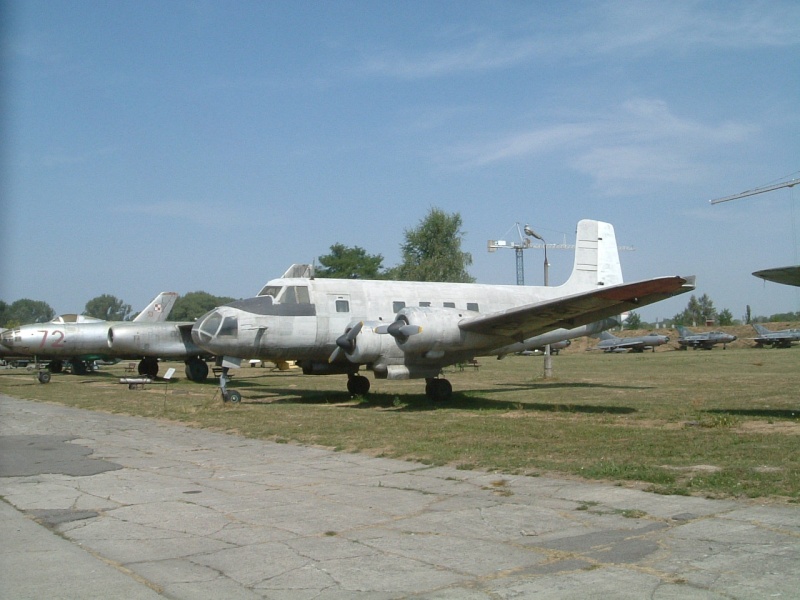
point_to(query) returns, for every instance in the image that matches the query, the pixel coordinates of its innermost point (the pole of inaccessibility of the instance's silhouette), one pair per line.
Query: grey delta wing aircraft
(611, 343)
(408, 330)
(782, 338)
(80, 340)
(706, 340)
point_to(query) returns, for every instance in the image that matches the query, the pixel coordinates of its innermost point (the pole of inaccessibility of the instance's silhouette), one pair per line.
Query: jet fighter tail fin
(605, 335)
(158, 309)
(761, 329)
(596, 257)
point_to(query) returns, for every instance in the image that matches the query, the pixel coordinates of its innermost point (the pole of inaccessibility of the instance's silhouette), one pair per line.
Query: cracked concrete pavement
(100, 505)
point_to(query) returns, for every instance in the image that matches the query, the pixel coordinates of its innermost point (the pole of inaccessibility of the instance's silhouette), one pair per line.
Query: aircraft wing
(784, 275)
(526, 321)
(630, 344)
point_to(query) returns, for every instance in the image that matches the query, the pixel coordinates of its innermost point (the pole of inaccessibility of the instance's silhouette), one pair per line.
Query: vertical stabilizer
(158, 309)
(596, 257)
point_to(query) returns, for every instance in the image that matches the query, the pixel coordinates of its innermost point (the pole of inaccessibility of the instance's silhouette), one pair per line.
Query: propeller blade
(401, 330)
(347, 342)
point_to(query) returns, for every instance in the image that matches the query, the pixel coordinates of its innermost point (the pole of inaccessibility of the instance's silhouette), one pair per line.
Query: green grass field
(720, 423)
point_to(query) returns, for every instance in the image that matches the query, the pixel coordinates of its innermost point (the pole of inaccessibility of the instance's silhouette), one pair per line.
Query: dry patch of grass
(647, 420)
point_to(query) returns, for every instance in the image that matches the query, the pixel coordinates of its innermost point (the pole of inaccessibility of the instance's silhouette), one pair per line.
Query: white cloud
(641, 141)
(620, 28)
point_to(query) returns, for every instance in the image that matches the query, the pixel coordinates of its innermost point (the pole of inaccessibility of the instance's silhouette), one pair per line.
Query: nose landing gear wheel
(232, 396)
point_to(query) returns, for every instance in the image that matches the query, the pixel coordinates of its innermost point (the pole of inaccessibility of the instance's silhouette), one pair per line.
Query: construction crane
(526, 244)
(759, 190)
(518, 247)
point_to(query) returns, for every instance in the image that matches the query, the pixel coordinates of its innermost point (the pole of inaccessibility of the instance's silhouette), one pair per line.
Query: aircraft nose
(7, 339)
(206, 327)
(215, 330)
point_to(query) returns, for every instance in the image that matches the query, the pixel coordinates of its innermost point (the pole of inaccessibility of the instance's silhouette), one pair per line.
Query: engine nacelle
(163, 340)
(430, 332)
(370, 345)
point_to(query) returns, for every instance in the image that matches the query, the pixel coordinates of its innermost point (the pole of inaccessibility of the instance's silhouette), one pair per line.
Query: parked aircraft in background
(611, 343)
(80, 340)
(406, 329)
(706, 340)
(554, 348)
(777, 339)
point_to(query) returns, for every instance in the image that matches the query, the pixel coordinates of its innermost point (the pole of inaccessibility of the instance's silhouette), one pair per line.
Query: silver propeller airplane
(611, 343)
(406, 329)
(80, 340)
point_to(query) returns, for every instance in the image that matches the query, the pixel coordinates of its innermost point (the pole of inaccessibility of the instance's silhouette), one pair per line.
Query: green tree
(634, 321)
(193, 305)
(3, 313)
(25, 311)
(346, 262)
(725, 317)
(696, 312)
(108, 308)
(432, 251)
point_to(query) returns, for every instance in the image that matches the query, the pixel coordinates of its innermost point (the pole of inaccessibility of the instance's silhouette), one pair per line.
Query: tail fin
(761, 329)
(596, 258)
(605, 335)
(158, 309)
(683, 331)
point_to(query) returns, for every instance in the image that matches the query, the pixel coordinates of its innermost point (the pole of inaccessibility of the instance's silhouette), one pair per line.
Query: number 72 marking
(57, 338)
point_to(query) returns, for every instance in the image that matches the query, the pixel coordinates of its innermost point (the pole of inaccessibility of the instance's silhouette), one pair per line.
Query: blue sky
(196, 145)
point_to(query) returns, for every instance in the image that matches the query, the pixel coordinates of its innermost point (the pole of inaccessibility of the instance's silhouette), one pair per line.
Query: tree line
(107, 307)
(431, 252)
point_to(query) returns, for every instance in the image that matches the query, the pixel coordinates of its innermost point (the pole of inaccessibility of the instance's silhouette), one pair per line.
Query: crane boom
(760, 190)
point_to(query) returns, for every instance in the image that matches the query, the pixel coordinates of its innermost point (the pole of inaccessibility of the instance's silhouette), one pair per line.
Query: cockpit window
(210, 325)
(291, 294)
(271, 290)
(230, 327)
(295, 294)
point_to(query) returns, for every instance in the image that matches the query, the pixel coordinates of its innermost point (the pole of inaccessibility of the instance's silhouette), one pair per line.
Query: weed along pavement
(99, 505)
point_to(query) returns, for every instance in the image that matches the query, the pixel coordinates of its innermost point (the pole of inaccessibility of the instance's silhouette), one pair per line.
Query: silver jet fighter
(611, 343)
(407, 329)
(706, 340)
(777, 339)
(80, 340)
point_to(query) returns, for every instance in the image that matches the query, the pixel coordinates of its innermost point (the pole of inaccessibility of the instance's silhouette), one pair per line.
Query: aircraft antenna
(758, 190)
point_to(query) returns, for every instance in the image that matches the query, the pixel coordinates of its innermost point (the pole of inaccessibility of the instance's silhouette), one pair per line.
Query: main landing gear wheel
(358, 385)
(43, 377)
(148, 367)
(196, 369)
(438, 390)
(79, 367)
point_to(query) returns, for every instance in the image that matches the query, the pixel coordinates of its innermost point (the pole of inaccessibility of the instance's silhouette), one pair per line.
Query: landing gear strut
(231, 396)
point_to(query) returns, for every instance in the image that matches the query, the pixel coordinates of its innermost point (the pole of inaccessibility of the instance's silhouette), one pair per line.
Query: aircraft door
(332, 321)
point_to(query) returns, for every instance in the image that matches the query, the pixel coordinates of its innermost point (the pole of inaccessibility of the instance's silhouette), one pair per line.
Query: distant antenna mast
(526, 244)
